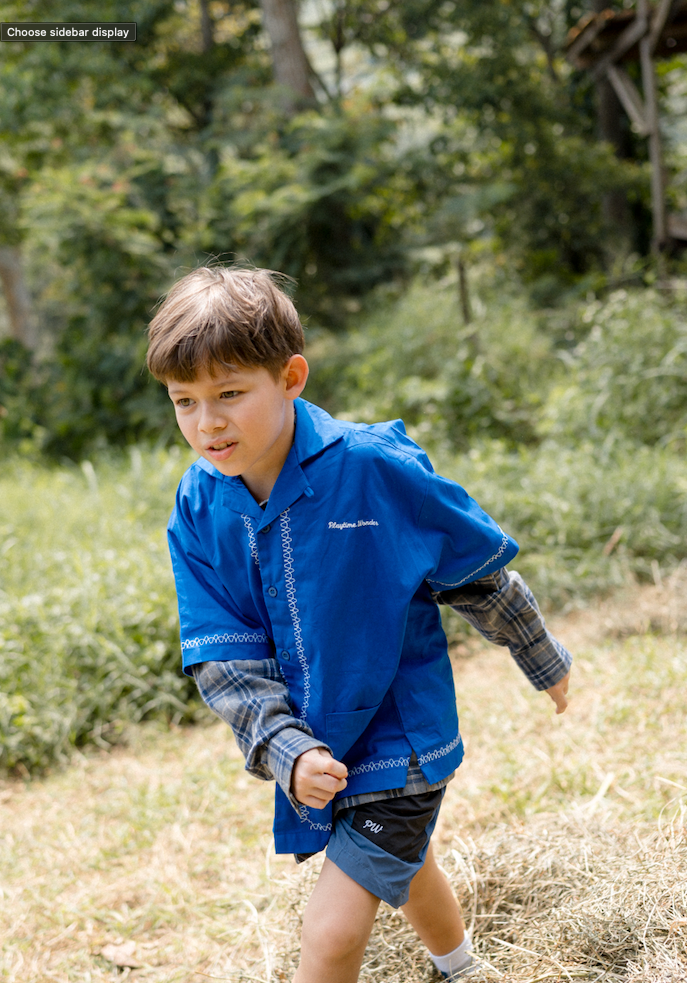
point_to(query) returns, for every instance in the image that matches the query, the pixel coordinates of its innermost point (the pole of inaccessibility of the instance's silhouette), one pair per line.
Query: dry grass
(560, 898)
(564, 837)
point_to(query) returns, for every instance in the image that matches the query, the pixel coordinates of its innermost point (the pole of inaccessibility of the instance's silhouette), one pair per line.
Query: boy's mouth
(221, 450)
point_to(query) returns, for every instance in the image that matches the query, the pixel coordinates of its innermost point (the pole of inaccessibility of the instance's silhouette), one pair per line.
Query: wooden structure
(603, 43)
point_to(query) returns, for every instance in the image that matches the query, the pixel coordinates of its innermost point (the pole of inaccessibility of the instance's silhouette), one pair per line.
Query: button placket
(274, 593)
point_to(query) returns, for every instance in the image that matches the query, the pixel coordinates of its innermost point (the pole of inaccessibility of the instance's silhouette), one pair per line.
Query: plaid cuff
(287, 745)
(503, 609)
(252, 697)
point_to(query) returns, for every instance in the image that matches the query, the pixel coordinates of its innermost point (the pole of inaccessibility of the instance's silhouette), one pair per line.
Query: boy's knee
(330, 937)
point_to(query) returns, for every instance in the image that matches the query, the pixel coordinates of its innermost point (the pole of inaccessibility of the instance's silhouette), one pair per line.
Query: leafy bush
(88, 625)
(106, 271)
(627, 379)
(586, 519)
(451, 384)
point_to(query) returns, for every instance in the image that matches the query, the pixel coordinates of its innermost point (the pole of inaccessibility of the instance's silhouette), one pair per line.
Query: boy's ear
(295, 375)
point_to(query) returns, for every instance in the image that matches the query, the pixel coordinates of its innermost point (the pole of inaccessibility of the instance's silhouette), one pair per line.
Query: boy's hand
(317, 777)
(558, 693)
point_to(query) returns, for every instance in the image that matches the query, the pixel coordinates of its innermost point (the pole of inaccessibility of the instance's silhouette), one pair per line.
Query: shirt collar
(315, 430)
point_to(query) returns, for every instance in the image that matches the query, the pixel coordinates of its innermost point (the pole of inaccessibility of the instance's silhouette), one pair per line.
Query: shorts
(382, 845)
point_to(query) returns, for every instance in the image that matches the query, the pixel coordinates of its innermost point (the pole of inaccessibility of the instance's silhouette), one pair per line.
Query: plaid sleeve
(251, 696)
(503, 609)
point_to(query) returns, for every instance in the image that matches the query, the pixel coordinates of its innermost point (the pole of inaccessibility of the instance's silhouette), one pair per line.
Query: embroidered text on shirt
(353, 525)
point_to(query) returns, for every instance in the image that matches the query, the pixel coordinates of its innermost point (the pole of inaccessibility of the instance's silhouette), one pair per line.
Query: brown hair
(223, 315)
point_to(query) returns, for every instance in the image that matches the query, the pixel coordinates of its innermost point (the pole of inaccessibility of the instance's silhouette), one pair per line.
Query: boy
(309, 557)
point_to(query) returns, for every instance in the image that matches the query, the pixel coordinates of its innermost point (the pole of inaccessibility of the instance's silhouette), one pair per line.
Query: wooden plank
(629, 96)
(603, 35)
(592, 25)
(635, 30)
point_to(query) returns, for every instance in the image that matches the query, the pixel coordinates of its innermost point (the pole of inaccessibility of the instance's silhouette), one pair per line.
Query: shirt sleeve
(252, 697)
(504, 610)
(212, 627)
(461, 542)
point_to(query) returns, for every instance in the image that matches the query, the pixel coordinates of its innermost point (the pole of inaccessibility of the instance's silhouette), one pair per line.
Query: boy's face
(241, 419)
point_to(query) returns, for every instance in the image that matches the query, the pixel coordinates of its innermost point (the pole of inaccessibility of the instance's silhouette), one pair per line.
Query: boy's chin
(224, 467)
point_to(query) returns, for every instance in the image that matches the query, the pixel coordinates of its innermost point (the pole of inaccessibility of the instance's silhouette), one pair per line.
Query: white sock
(453, 962)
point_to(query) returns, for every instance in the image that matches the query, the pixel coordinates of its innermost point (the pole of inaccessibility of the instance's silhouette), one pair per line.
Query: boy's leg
(432, 909)
(337, 923)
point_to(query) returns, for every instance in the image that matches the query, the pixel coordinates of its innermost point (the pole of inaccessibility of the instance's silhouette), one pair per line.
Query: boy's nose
(210, 421)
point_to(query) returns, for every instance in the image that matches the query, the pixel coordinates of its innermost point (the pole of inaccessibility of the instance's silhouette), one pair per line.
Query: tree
(20, 314)
(507, 112)
(292, 70)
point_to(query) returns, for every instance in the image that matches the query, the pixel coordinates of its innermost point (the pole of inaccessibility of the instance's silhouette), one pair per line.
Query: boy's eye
(230, 394)
(184, 401)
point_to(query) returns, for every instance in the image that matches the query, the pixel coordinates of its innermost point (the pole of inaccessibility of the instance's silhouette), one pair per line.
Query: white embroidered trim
(251, 539)
(442, 752)
(473, 576)
(192, 643)
(291, 599)
(379, 766)
(316, 827)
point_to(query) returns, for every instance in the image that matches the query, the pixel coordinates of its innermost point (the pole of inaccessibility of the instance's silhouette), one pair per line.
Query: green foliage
(93, 388)
(88, 626)
(451, 384)
(575, 448)
(17, 389)
(323, 202)
(627, 378)
(603, 371)
(564, 505)
(440, 126)
(110, 146)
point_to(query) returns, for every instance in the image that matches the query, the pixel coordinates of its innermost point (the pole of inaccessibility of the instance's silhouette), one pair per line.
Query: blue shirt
(334, 579)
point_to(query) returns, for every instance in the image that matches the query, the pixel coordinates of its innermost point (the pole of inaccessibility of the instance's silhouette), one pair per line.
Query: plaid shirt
(252, 696)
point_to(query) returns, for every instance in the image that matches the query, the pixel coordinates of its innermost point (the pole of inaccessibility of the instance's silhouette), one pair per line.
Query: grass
(563, 836)
(88, 626)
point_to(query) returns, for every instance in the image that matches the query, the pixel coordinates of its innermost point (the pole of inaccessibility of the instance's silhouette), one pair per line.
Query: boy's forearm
(252, 697)
(504, 610)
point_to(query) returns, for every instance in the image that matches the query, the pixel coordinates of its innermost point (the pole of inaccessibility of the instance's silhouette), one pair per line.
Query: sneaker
(468, 970)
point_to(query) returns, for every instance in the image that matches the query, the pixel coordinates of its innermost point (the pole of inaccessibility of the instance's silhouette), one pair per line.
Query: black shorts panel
(397, 826)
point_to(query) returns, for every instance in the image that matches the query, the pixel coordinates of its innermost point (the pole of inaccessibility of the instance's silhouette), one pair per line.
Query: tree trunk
(206, 28)
(16, 296)
(291, 68)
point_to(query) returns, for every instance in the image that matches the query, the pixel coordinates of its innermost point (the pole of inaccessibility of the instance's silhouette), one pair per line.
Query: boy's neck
(259, 484)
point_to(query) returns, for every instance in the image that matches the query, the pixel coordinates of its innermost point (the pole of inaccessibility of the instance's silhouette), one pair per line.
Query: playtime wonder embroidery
(353, 525)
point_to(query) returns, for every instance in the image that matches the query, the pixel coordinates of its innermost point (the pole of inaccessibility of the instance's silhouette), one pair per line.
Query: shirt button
(286, 656)
(266, 528)
(272, 591)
